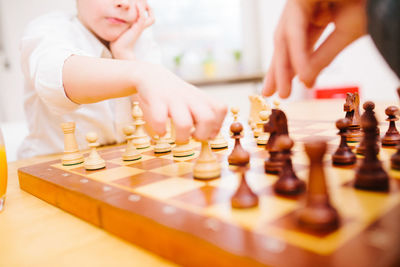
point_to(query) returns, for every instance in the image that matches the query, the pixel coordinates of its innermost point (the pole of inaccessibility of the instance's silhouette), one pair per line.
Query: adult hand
(122, 48)
(300, 26)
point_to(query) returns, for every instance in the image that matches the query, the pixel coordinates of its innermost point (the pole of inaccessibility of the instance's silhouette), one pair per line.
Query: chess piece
(352, 109)
(276, 126)
(71, 156)
(130, 153)
(318, 214)
(257, 103)
(238, 156)
(371, 175)
(206, 165)
(235, 113)
(370, 106)
(141, 140)
(244, 197)
(343, 155)
(218, 142)
(170, 133)
(162, 145)
(183, 149)
(392, 136)
(288, 183)
(277, 103)
(94, 161)
(262, 138)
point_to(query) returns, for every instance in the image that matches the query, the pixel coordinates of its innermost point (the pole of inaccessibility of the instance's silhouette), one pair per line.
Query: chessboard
(155, 203)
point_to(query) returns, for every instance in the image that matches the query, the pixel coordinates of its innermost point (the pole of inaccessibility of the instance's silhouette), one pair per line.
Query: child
(84, 69)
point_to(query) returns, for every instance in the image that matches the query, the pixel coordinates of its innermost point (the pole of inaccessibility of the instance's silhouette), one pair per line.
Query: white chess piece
(72, 154)
(206, 165)
(141, 139)
(94, 161)
(130, 153)
(262, 139)
(162, 145)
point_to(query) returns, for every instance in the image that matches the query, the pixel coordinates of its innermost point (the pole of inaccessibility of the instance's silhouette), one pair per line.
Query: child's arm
(89, 80)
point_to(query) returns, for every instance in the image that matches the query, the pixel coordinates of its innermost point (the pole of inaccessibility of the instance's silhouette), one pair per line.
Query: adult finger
(269, 85)
(283, 71)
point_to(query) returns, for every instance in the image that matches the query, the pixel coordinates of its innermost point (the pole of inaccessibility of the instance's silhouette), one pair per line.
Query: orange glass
(3, 172)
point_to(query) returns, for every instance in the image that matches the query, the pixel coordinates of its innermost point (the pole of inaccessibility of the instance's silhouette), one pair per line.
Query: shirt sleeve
(42, 59)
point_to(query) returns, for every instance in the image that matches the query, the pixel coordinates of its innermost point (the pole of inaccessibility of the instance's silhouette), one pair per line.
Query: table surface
(36, 233)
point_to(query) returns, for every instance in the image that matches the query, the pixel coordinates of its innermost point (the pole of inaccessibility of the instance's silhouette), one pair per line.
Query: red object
(338, 92)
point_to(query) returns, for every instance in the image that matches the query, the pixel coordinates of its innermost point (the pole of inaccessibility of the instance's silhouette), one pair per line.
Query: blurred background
(222, 46)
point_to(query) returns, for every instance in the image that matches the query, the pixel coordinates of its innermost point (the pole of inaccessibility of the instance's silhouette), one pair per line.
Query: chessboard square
(191, 158)
(109, 155)
(228, 181)
(168, 188)
(175, 169)
(269, 209)
(204, 196)
(83, 171)
(151, 163)
(109, 175)
(141, 179)
(122, 162)
(66, 168)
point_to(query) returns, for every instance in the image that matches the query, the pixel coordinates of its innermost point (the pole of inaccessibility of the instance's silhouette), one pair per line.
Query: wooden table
(33, 232)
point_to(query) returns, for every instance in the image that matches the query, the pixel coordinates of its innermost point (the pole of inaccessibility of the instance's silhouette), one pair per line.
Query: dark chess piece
(392, 136)
(244, 197)
(343, 155)
(395, 159)
(276, 126)
(318, 214)
(288, 183)
(352, 109)
(238, 156)
(371, 175)
(370, 106)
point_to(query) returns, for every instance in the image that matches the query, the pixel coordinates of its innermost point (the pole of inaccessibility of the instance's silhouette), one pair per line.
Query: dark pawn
(371, 175)
(318, 214)
(288, 183)
(276, 126)
(352, 109)
(244, 198)
(392, 136)
(238, 156)
(343, 155)
(370, 106)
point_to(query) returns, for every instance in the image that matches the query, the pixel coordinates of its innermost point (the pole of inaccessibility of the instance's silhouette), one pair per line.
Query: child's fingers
(204, 120)
(150, 16)
(156, 113)
(182, 120)
(220, 111)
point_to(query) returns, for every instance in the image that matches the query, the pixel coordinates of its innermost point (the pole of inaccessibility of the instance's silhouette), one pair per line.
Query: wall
(14, 15)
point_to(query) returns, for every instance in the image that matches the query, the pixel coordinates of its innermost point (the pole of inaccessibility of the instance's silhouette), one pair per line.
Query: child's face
(108, 19)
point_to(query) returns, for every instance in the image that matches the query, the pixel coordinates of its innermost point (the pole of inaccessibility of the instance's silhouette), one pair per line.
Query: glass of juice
(3, 172)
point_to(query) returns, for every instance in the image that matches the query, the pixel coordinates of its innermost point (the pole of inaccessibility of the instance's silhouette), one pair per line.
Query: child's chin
(110, 37)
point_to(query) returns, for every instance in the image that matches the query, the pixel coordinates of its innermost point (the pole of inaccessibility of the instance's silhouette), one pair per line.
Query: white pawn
(235, 113)
(94, 161)
(184, 149)
(218, 142)
(277, 103)
(130, 153)
(262, 139)
(141, 139)
(162, 145)
(206, 166)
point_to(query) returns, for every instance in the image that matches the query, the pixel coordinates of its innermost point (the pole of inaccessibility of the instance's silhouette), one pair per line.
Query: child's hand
(301, 24)
(163, 95)
(122, 48)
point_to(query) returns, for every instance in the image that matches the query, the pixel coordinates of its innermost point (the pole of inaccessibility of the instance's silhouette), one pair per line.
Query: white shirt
(47, 42)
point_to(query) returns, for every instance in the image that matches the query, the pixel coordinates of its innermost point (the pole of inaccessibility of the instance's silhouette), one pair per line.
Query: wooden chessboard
(155, 203)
